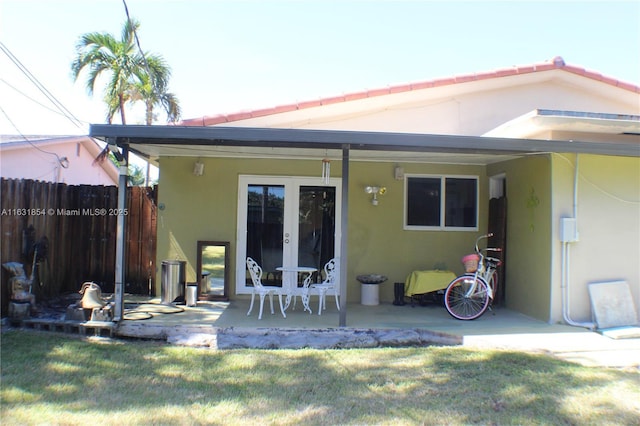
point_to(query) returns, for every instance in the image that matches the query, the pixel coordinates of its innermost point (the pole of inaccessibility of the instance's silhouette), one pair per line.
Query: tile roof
(555, 63)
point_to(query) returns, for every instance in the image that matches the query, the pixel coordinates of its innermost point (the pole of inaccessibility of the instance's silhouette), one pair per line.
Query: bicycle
(468, 296)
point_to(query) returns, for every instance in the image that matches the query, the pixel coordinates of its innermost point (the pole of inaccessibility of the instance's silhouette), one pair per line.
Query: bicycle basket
(470, 262)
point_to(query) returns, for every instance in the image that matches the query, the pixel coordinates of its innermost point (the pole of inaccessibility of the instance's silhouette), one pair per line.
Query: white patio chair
(331, 272)
(256, 277)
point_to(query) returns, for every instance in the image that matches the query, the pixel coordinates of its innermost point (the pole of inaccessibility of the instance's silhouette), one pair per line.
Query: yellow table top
(420, 282)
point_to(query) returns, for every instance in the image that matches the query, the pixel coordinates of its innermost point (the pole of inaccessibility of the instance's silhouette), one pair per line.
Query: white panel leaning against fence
(256, 277)
(331, 272)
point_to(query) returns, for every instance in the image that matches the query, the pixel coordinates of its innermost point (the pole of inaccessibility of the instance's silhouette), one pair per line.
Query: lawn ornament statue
(22, 301)
(91, 296)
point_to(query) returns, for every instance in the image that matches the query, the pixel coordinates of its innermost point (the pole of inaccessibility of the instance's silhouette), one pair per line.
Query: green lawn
(49, 378)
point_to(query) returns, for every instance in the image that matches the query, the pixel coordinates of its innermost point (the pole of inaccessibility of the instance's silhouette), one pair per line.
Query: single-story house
(405, 178)
(58, 159)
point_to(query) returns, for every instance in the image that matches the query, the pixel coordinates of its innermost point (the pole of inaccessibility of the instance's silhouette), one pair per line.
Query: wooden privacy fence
(73, 228)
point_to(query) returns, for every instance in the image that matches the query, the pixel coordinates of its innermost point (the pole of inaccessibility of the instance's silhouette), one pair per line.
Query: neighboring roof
(556, 64)
(14, 143)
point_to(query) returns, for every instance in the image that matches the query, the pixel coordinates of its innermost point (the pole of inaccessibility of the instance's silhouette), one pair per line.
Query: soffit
(154, 152)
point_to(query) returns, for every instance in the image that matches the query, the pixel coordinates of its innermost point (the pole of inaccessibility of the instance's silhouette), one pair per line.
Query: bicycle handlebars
(479, 251)
(489, 235)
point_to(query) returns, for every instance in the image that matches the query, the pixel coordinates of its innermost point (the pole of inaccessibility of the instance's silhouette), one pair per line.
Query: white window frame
(443, 200)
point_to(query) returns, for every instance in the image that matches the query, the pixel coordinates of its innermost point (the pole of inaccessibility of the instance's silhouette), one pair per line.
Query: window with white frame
(441, 202)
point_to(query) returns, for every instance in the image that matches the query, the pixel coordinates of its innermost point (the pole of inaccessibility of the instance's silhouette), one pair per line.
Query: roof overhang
(153, 142)
(545, 120)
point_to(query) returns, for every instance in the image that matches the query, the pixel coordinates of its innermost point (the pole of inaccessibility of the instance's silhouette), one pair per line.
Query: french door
(286, 221)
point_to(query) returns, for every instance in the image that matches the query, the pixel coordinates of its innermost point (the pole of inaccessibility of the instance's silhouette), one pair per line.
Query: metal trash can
(173, 281)
(370, 294)
(192, 294)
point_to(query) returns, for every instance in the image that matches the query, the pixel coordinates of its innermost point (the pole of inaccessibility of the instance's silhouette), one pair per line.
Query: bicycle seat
(493, 261)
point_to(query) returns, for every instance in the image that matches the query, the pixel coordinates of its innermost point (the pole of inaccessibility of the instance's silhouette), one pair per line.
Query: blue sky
(229, 56)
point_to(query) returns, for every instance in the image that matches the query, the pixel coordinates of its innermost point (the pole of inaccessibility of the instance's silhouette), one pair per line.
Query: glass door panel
(265, 228)
(316, 225)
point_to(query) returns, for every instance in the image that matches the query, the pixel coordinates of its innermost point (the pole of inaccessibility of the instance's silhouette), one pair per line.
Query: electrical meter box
(568, 229)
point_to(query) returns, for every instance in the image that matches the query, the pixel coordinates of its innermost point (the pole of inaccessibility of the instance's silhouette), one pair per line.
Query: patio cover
(152, 142)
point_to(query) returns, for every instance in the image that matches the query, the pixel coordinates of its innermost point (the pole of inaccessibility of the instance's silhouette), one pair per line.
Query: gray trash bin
(173, 281)
(192, 294)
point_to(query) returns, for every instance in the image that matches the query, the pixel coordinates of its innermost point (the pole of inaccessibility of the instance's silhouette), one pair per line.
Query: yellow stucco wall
(204, 207)
(528, 256)
(377, 241)
(608, 217)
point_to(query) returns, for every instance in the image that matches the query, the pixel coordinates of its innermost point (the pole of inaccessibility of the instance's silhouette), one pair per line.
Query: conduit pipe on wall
(565, 291)
(565, 261)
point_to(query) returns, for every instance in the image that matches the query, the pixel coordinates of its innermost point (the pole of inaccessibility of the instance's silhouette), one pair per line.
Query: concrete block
(75, 313)
(19, 310)
(612, 304)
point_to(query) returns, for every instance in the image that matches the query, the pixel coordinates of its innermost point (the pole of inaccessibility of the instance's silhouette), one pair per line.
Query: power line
(36, 101)
(135, 35)
(41, 87)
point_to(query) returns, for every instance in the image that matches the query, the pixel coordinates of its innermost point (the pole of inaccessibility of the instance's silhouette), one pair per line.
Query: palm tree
(133, 76)
(152, 90)
(136, 175)
(101, 53)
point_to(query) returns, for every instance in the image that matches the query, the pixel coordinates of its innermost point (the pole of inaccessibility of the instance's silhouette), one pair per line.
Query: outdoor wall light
(375, 191)
(198, 168)
(398, 172)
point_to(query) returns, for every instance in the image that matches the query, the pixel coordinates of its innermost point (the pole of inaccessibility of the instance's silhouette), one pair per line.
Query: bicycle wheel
(464, 306)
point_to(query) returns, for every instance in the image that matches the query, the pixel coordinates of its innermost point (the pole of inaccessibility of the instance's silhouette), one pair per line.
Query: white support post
(120, 238)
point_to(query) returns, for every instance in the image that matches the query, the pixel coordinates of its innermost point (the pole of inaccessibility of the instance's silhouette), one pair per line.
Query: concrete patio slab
(499, 329)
